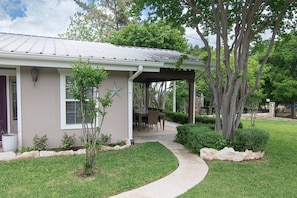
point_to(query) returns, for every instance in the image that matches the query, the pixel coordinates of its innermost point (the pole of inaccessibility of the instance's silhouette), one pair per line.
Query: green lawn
(55, 176)
(274, 176)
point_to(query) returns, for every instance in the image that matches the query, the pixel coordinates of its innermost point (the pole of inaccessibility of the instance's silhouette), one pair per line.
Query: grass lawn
(55, 176)
(274, 176)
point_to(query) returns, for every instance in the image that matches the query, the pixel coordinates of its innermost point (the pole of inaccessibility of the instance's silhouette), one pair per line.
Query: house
(33, 74)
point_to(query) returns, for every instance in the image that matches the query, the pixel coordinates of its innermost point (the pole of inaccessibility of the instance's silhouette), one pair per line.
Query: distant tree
(151, 35)
(97, 20)
(281, 75)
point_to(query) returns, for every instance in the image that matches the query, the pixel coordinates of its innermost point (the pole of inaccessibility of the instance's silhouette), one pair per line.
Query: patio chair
(152, 119)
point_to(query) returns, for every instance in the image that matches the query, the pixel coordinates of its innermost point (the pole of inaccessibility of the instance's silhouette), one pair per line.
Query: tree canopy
(152, 35)
(281, 73)
(97, 20)
(236, 24)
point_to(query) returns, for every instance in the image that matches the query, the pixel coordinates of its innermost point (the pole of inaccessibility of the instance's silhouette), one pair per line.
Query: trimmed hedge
(182, 118)
(251, 139)
(198, 136)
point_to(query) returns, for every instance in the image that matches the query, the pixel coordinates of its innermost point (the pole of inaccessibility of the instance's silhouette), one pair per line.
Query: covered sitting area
(165, 74)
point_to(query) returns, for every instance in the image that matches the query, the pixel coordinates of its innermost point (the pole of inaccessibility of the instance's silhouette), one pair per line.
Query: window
(70, 118)
(72, 106)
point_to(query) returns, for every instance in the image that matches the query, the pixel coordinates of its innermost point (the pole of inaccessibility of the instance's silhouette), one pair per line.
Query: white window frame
(63, 101)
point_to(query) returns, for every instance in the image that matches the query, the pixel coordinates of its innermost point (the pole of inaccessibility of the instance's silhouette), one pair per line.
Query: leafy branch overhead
(235, 25)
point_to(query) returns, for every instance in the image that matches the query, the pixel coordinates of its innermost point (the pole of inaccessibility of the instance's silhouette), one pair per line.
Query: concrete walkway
(191, 171)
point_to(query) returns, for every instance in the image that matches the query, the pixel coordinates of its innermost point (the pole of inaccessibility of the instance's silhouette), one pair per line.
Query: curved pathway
(191, 171)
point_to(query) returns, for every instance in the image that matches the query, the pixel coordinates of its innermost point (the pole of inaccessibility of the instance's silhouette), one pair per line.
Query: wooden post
(147, 98)
(191, 101)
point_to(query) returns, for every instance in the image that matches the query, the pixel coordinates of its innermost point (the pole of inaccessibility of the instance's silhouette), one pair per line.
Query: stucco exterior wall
(41, 107)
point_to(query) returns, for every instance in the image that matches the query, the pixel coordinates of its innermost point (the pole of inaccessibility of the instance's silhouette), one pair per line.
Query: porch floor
(143, 135)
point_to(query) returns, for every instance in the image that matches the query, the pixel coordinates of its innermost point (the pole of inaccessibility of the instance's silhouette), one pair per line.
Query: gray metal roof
(58, 47)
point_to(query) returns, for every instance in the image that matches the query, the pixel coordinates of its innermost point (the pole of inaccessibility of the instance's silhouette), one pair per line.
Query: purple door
(3, 106)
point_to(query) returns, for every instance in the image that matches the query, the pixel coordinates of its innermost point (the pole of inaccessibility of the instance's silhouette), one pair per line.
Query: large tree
(235, 24)
(97, 20)
(281, 74)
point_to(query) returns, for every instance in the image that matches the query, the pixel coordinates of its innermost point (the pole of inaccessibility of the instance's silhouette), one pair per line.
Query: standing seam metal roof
(52, 46)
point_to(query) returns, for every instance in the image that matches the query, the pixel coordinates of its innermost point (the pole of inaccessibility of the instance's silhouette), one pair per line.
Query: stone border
(7, 156)
(229, 154)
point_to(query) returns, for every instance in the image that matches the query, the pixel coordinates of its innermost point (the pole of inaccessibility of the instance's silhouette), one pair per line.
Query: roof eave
(41, 60)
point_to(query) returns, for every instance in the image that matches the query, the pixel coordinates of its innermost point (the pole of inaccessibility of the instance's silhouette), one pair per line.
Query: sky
(46, 17)
(36, 17)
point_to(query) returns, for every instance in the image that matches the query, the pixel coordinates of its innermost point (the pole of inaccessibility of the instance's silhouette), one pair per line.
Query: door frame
(4, 105)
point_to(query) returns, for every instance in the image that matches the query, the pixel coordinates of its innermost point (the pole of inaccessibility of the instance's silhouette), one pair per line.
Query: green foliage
(26, 149)
(152, 35)
(226, 19)
(183, 133)
(251, 139)
(198, 136)
(178, 117)
(104, 140)
(182, 118)
(39, 143)
(97, 20)
(281, 72)
(87, 81)
(68, 141)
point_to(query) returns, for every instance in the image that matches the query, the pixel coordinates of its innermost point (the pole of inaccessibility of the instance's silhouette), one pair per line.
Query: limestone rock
(249, 155)
(229, 154)
(259, 155)
(62, 153)
(80, 152)
(105, 148)
(225, 154)
(117, 147)
(47, 153)
(208, 153)
(238, 156)
(30, 154)
(5, 156)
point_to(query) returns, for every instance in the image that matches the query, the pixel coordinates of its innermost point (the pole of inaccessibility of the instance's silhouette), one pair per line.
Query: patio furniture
(152, 119)
(142, 114)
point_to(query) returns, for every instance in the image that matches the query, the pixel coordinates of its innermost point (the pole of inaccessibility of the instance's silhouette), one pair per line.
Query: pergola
(167, 74)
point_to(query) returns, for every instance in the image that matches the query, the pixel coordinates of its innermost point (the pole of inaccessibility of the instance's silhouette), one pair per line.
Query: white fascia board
(66, 62)
(183, 66)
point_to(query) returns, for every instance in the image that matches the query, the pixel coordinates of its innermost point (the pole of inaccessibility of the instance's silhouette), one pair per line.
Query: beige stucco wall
(41, 107)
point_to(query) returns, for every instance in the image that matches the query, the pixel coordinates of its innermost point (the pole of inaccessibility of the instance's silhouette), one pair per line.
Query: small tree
(86, 83)
(252, 104)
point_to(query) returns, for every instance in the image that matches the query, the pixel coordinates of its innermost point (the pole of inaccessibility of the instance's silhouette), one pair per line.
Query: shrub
(104, 139)
(26, 149)
(39, 142)
(205, 137)
(197, 136)
(182, 118)
(68, 141)
(178, 117)
(251, 139)
(182, 133)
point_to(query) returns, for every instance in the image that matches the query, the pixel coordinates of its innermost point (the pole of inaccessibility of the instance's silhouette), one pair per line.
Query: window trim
(63, 100)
